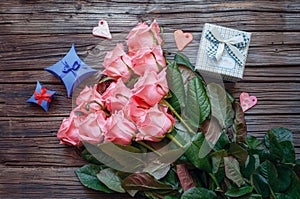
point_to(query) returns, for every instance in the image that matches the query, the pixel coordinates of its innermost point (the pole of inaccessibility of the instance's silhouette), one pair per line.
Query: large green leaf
(281, 134)
(255, 146)
(110, 179)
(250, 165)
(280, 143)
(181, 59)
(265, 180)
(144, 182)
(193, 153)
(88, 177)
(235, 192)
(268, 171)
(218, 168)
(221, 107)
(199, 193)
(294, 189)
(222, 142)
(232, 170)
(260, 184)
(284, 178)
(175, 83)
(238, 152)
(197, 103)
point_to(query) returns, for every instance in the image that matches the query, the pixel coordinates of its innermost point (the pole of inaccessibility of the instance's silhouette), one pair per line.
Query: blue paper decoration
(41, 96)
(71, 70)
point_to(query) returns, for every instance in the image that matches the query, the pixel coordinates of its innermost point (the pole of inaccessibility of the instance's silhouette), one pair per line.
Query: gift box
(41, 96)
(223, 51)
(71, 70)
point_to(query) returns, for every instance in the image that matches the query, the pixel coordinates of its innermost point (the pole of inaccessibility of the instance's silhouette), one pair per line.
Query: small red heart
(247, 101)
(102, 30)
(182, 39)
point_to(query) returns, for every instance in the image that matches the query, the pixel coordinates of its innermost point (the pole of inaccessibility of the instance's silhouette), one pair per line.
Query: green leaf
(237, 192)
(268, 171)
(221, 107)
(255, 146)
(193, 153)
(171, 197)
(89, 157)
(111, 180)
(284, 178)
(199, 193)
(218, 167)
(171, 179)
(255, 196)
(281, 134)
(175, 83)
(238, 152)
(288, 151)
(181, 59)
(250, 166)
(260, 185)
(144, 182)
(294, 189)
(197, 103)
(222, 142)
(264, 179)
(282, 196)
(88, 177)
(232, 170)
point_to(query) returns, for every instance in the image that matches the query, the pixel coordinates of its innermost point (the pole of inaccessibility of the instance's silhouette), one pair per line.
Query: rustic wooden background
(35, 34)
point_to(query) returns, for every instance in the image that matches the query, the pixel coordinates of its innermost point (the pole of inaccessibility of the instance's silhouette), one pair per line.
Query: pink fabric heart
(182, 39)
(247, 101)
(102, 30)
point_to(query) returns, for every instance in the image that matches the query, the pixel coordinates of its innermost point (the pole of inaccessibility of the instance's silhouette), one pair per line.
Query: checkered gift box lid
(223, 51)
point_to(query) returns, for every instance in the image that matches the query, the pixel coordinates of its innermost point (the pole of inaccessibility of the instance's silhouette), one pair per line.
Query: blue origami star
(71, 70)
(41, 96)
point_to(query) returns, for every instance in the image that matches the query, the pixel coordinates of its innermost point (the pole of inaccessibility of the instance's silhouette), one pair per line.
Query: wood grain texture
(35, 34)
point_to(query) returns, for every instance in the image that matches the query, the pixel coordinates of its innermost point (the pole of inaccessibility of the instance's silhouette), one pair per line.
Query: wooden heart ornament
(247, 101)
(102, 30)
(182, 39)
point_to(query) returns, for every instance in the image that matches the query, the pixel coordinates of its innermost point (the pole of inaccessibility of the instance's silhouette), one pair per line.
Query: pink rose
(151, 87)
(148, 61)
(119, 129)
(92, 127)
(68, 132)
(143, 37)
(156, 124)
(116, 96)
(88, 95)
(117, 63)
(136, 110)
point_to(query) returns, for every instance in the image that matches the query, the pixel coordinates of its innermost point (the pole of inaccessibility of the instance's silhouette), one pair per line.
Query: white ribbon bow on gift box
(232, 45)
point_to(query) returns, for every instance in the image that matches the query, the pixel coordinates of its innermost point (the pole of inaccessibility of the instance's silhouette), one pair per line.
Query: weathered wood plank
(251, 75)
(41, 182)
(36, 52)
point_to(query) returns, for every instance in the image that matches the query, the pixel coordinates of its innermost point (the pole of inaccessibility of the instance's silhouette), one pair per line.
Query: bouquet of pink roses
(153, 127)
(129, 109)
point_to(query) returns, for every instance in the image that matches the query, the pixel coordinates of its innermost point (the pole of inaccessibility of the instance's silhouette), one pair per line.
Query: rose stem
(179, 117)
(171, 137)
(150, 148)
